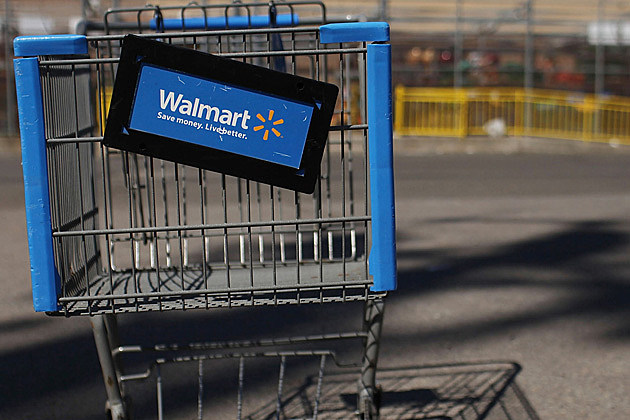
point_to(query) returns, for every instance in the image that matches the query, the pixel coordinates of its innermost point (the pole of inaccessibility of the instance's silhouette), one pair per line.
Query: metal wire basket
(132, 233)
(115, 232)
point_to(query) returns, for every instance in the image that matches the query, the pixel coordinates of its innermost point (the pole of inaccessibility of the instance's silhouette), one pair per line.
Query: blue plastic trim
(354, 32)
(379, 91)
(232, 22)
(44, 277)
(32, 46)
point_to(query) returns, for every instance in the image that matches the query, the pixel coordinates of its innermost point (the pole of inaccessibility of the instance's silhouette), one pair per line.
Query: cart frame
(53, 282)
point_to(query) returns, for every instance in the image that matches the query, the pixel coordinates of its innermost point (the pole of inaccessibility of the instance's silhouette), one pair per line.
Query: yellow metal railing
(445, 112)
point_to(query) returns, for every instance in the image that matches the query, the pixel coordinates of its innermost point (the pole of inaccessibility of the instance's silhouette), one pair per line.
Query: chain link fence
(578, 46)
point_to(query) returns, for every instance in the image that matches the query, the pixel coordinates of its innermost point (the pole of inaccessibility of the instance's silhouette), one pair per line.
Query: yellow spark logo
(264, 125)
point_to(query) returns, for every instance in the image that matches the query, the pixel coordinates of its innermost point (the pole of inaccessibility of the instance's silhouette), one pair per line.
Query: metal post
(599, 50)
(10, 94)
(111, 327)
(599, 66)
(383, 14)
(115, 403)
(368, 400)
(458, 46)
(528, 68)
(529, 48)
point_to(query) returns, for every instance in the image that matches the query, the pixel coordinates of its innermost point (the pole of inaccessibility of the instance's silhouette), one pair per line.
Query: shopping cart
(113, 232)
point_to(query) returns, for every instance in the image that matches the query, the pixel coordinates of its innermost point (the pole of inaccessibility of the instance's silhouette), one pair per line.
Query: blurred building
(578, 45)
(569, 45)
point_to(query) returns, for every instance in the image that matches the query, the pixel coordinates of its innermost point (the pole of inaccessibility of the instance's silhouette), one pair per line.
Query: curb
(501, 145)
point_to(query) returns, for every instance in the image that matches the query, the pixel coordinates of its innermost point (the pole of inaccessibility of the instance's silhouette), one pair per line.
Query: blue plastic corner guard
(44, 277)
(223, 22)
(354, 32)
(380, 143)
(32, 46)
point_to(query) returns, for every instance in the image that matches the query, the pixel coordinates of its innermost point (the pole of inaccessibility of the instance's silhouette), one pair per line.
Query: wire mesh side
(71, 172)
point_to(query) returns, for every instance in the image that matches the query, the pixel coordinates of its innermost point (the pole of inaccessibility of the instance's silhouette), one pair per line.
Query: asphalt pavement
(512, 251)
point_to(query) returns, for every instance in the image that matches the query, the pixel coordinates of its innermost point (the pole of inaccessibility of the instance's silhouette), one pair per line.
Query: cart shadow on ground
(595, 284)
(65, 370)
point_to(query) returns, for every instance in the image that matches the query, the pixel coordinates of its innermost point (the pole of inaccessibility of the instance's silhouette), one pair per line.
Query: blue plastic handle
(44, 277)
(380, 137)
(223, 22)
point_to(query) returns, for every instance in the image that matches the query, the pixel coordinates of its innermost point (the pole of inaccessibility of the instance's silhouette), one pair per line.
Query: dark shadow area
(18, 325)
(455, 391)
(596, 286)
(70, 363)
(411, 397)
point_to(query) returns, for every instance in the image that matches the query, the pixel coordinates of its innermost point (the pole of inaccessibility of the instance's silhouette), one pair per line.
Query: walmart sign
(217, 115)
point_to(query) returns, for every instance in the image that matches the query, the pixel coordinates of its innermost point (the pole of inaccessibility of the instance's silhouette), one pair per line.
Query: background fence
(572, 45)
(518, 112)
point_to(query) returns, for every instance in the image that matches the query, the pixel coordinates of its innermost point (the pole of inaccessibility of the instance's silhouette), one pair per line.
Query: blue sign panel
(221, 116)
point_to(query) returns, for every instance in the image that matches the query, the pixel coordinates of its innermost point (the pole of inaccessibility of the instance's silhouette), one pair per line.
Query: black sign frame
(138, 51)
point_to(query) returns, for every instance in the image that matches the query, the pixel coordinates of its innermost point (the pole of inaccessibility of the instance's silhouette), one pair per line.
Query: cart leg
(115, 403)
(368, 398)
(111, 327)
